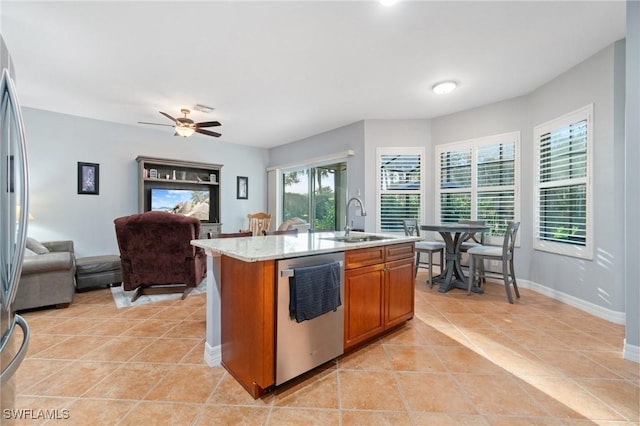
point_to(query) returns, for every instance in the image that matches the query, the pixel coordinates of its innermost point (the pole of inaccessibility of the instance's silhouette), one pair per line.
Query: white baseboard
(615, 317)
(631, 352)
(212, 355)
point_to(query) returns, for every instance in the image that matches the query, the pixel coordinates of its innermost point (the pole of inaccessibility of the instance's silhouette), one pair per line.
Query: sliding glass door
(316, 194)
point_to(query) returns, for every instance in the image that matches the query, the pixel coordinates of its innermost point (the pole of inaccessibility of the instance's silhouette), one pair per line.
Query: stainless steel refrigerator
(14, 210)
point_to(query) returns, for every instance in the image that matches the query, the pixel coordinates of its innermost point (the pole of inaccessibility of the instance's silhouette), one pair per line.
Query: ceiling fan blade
(156, 124)
(208, 133)
(167, 115)
(208, 124)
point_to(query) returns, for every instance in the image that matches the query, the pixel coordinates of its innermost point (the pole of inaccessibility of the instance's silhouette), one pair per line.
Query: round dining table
(454, 234)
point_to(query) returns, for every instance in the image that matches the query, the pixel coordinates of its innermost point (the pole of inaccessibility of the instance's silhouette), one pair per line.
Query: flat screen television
(187, 202)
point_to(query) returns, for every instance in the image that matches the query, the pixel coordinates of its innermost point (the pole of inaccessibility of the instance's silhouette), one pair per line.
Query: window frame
(421, 192)
(473, 145)
(565, 248)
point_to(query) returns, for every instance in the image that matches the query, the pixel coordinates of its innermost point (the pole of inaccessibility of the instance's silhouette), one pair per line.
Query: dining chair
(258, 222)
(281, 232)
(411, 228)
(503, 254)
(473, 239)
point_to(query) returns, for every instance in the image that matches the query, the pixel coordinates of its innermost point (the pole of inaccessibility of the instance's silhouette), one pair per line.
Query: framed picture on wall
(242, 188)
(88, 178)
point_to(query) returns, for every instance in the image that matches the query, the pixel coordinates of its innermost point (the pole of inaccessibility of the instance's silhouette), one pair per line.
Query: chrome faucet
(347, 228)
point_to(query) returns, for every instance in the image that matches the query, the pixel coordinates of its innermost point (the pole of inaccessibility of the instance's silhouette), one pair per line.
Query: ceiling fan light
(185, 131)
(444, 87)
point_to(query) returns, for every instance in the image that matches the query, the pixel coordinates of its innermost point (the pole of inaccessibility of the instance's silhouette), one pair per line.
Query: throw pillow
(36, 246)
(28, 252)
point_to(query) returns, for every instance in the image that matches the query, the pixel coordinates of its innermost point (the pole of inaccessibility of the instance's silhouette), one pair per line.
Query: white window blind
(478, 181)
(563, 188)
(400, 188)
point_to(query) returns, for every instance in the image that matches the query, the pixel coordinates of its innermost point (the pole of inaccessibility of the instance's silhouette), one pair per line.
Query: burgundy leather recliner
(155, 250)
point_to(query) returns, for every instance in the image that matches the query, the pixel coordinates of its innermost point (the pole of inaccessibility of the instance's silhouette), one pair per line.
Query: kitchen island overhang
(241, 293)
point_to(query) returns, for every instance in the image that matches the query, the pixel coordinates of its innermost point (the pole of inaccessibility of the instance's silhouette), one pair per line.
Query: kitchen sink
(357, 238)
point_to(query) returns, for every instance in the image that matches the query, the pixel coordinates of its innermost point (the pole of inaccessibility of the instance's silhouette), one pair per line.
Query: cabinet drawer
(363, 257)
(399, 251)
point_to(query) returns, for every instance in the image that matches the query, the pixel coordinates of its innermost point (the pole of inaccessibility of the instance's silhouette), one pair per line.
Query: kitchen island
(242, 294)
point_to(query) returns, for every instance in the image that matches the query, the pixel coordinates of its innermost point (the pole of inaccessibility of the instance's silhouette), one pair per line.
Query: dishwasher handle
(291, 272)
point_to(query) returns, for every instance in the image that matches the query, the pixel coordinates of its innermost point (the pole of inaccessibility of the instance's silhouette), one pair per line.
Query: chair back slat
(510, 240)
(258, 222)
(411, 227)
(476, 237)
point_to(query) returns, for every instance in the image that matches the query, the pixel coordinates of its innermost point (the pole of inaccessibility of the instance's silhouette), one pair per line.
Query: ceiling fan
(186, 127)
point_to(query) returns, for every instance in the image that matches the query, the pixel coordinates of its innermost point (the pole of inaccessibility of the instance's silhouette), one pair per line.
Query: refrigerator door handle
(10, 102)
(22, 352)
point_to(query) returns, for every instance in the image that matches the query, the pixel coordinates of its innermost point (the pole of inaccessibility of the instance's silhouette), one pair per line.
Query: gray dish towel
(314, 290)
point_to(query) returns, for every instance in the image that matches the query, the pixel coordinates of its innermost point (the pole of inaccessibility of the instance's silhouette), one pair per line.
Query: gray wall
(597, 280)
(56, 142)
(350, 137)
(632, 189)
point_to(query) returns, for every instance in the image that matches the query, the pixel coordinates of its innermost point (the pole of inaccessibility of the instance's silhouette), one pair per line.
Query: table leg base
(459, 284)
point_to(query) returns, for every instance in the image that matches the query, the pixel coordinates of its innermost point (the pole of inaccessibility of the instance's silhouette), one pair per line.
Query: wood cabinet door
(399, 292)
(364, 297)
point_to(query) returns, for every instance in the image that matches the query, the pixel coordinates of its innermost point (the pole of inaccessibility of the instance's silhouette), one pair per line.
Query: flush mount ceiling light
(388, 2)
(444, 87)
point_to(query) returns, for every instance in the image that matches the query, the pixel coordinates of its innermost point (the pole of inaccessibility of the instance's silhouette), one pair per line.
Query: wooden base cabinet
(379, 291)
(248, 326)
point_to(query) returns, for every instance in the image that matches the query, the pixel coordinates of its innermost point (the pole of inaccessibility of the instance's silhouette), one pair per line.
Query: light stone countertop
(254, 249)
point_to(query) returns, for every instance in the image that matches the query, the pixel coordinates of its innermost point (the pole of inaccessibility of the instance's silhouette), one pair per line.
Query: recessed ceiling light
(444, 87)
(388, 2)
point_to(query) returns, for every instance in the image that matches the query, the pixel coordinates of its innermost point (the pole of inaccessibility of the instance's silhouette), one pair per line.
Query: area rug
(123, 298)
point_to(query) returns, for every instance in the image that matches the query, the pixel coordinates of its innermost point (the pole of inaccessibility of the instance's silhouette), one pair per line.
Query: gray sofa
(48, 279)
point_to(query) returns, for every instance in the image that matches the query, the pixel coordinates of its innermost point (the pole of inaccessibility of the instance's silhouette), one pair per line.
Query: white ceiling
(281, 71)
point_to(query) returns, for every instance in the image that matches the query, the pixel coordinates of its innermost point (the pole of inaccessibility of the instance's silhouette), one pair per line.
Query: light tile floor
(462, 361)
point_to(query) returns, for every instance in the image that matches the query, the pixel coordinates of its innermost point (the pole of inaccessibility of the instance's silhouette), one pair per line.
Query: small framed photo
(88, 178)
(153, 173)
(242, 188)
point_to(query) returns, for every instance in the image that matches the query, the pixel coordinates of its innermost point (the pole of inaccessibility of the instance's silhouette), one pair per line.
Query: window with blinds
(478, 181)
(400, 188)
(563, 188)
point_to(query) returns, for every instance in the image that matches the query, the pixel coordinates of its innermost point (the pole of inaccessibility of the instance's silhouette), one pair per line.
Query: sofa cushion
(36, 246)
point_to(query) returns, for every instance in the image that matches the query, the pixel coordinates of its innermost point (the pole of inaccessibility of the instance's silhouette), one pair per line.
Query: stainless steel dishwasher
(302, 346)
